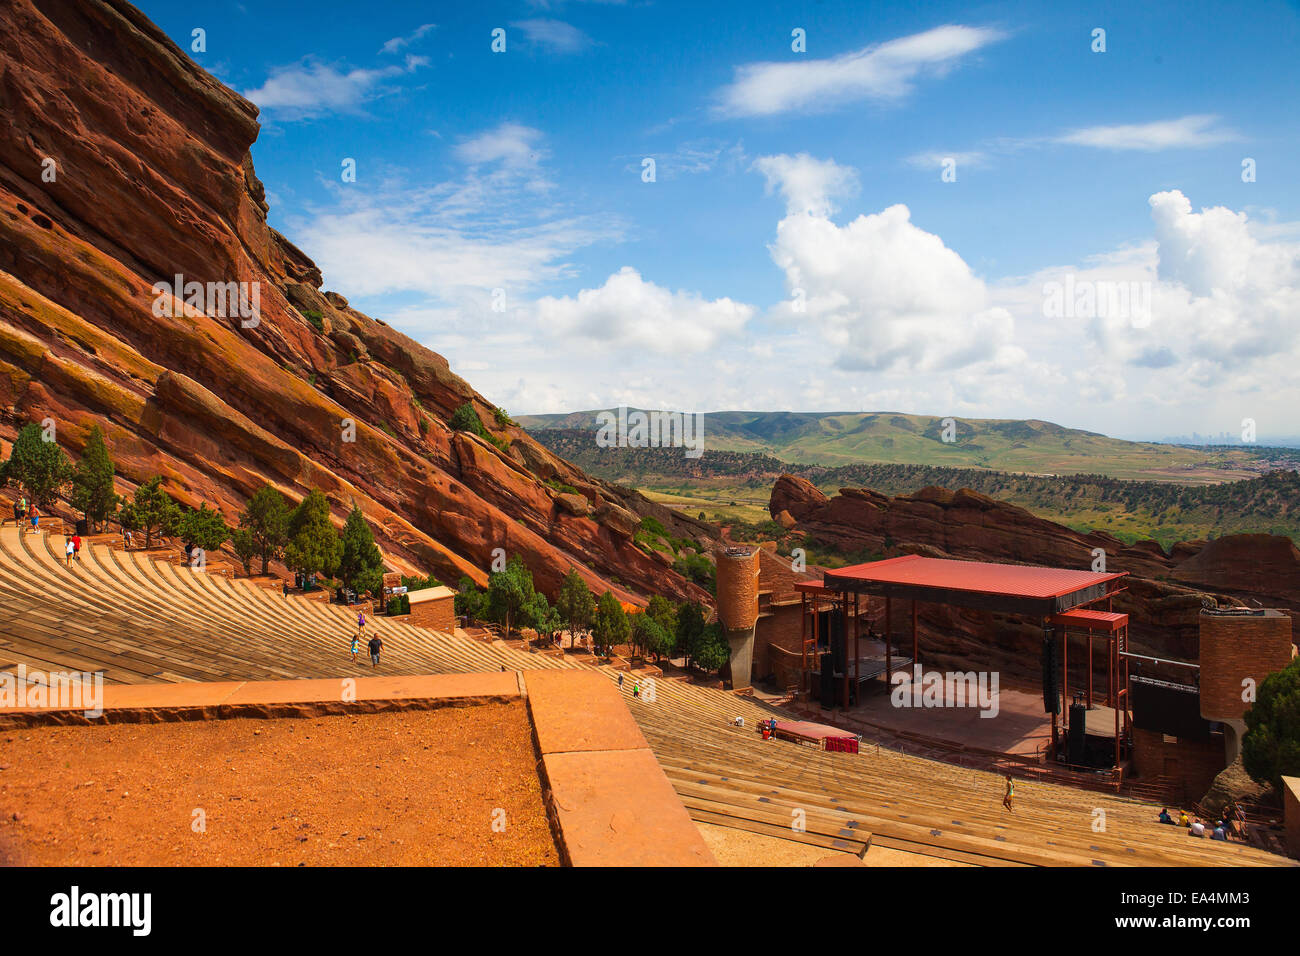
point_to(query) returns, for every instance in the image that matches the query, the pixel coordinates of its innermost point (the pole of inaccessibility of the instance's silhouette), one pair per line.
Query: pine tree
(38, 467)
(470, 599)
(267, 518)
(92, 481)
(361, 566)
(690, 628)
(543, 618)
(575, 603)
(204, 527)
(246, 548)
(611, 626)
(1270, 748)
(712, 650)
(314, 546)
(509, 592)
(152, 511)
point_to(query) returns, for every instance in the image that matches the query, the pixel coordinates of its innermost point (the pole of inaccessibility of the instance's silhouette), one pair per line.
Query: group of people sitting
(1197, 827)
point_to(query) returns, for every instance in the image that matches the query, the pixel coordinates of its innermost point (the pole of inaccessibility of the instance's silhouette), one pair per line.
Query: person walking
(76, 547)
(1010, 794)
(18, 514)
(356, 647)
(36, 517)
(68, 552)
(375, 645)
(361, 623)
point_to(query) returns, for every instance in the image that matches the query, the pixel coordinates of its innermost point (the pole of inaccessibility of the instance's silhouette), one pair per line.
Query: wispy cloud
(554, 35)
(311, 88)
(451, 243)
(397, 43)
(1186, 132)
(937, 159)
(885, 72)
(693, 157)
(511, 144)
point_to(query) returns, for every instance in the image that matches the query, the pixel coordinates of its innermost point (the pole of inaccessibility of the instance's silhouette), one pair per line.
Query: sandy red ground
(408, 788)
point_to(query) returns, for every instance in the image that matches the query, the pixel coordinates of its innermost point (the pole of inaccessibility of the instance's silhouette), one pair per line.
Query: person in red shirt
(76, 547)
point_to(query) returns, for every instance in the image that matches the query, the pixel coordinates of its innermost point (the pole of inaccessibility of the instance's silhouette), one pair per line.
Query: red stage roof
(1091, 620)
(946, 580)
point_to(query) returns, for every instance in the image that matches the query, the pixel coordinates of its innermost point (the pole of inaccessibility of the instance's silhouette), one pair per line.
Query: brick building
(434, 607)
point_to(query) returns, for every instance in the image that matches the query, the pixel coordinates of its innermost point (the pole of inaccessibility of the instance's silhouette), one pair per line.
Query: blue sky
(799, 247)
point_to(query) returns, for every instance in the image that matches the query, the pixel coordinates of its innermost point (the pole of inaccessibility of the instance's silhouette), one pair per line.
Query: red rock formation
(123, 165)
(1164, 590)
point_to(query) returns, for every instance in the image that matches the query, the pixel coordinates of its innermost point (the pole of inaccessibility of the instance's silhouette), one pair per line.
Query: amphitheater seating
(141, 619)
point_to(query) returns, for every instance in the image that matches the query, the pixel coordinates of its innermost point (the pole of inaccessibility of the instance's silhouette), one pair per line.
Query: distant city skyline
(1012, 210)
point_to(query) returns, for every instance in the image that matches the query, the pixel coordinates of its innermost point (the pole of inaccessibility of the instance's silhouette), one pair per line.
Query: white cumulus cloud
(808, 185)
(630, 312)
(883, 291)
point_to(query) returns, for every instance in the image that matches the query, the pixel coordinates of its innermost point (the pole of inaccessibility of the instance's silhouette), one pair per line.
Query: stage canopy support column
(916, 648)
(1089, 670)
(889, 645)
(1048, 676)
(1113, 645)
(803, 639)
(857, 638)
(1065, 677)
(844, 637)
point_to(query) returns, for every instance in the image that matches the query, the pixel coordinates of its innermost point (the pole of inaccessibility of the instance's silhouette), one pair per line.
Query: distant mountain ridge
(1028, 446)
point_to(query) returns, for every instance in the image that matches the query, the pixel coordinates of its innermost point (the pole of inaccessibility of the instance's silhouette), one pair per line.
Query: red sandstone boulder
(796, 495)
(1265, 567)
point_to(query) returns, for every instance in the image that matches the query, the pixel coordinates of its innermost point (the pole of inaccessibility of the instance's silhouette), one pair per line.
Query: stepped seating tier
(140, 618)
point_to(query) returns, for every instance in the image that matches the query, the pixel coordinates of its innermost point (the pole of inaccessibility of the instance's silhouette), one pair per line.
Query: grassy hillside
(1028, 447)
(735, 486)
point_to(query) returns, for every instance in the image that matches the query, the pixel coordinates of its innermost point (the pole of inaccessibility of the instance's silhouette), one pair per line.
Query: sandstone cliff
(123, 164)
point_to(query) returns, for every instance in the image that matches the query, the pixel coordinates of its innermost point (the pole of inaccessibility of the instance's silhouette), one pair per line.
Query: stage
(1020, 726)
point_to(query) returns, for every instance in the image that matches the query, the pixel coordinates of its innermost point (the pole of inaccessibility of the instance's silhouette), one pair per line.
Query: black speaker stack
(828, 681)
(1077, 742)
(1051, 668)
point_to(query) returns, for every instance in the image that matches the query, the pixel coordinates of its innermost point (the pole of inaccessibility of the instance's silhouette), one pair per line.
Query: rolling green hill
(1026, 447)
(731, 487)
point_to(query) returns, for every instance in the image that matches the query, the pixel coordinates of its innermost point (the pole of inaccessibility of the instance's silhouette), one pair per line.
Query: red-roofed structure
(1009, 588)
(1057, 596)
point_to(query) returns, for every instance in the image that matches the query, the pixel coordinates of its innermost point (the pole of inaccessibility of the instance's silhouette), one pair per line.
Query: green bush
(465, 419)
(1270, 748)
(698, 569)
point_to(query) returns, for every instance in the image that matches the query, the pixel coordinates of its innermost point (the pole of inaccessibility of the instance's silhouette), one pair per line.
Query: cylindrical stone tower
(737, 576)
